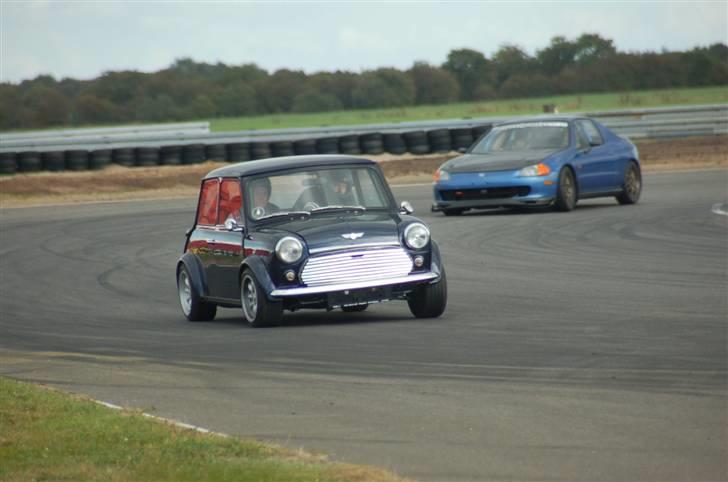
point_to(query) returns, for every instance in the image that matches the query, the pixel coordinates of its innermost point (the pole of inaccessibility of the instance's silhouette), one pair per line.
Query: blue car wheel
(566, 192)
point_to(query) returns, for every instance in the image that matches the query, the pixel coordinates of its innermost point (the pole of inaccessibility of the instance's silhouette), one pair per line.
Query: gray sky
(84, 39)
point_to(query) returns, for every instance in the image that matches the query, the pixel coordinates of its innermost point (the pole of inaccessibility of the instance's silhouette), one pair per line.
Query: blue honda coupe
(552, 161)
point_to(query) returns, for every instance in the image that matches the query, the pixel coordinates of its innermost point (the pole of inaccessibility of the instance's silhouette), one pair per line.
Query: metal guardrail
(192, 142)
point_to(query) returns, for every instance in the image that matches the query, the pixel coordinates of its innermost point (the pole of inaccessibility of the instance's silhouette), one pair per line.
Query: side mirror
(462, 150)
(594, 141)
(232, 225)
(406, 208)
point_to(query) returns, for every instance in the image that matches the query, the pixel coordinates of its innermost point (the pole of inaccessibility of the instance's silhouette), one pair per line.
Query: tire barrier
(260, 150)
(170, 155)
(416, 142)
(99, 159)
(304, 147)
(123, 156)
(29, 162)
(440, 140)
(349, 144)
(394, 143)
(215, 152)
(461, 138)
(54, 161)
(238, 152)
(193, 154)
(147, 156)
(8, 163)
(282, 148)
(327, 145)
(372, 143)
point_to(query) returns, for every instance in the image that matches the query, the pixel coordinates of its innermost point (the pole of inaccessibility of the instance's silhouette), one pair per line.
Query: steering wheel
(309, 206)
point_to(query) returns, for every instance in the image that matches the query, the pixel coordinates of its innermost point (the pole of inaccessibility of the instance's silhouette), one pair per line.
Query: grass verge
(49, 435)
(470, 110)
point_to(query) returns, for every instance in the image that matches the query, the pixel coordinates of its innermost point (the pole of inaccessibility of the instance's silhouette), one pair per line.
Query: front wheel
(258, 311)
(193, 307)
(566, 191)
(429, 300)
(632, 185)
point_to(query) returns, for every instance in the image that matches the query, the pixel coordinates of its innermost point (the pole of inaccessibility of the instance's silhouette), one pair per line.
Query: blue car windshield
(315, 191)
(525, 136)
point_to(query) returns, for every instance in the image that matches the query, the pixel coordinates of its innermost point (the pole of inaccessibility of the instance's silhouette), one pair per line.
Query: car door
(599, 166)
(202, 238)
(226, 245)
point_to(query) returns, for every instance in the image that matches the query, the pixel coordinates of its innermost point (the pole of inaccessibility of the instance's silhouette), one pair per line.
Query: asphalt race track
(588, 345)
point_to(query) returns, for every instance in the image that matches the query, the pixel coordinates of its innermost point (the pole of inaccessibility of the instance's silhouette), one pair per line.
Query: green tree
(471, 69)
(433, 85)
(511, 60)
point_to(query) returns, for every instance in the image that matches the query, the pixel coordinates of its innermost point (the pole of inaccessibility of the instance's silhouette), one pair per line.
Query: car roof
(544, 118)
(261, 166)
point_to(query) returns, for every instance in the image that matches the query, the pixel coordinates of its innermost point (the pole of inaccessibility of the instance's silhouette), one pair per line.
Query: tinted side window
(230, 200)
(207, 211)
(591, 131)
(581, 140)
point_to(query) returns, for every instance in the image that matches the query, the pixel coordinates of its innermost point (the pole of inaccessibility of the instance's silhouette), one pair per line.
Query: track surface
(576, 346)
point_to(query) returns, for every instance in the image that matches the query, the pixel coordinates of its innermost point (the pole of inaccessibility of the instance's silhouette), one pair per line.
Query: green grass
(48, 435)
(566, 103)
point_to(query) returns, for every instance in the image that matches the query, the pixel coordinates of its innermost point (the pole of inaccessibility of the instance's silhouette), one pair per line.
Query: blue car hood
(325, 230)
(496, 161)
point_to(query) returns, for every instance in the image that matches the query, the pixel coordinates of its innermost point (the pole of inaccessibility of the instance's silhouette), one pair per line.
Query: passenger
(344, 189)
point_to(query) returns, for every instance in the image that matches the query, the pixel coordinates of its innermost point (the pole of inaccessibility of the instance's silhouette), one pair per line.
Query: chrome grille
(361, 265)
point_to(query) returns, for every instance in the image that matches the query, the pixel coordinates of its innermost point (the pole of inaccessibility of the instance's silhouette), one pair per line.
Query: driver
(261, 189)
(343, 187)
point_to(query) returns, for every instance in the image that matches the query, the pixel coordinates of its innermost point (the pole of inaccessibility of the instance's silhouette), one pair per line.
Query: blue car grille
(484, 193)
(356, 265)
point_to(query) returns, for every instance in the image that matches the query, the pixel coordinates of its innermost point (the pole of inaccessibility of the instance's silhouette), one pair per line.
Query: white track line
(718, 208)
(166, 420)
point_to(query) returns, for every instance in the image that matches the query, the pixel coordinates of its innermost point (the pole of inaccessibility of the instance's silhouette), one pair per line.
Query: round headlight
(416, 236)
(289, 249)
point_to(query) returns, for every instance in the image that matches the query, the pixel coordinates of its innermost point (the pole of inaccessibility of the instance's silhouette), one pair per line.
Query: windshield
(523, 137)
(315, 191)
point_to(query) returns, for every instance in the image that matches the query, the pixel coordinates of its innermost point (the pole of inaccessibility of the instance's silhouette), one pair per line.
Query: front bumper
(417, 278)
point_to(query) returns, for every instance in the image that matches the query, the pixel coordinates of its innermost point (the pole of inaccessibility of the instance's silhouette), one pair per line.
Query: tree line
(189, 90)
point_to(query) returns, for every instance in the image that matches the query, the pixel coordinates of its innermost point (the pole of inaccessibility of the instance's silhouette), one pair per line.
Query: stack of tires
(99, 159)
(8, 163)
(416, 142)
(216, 152)
(147, 156)
(238, 152)
(193, 154)
(54, 161)
(123, 156)
(394, 143)
(170, 155)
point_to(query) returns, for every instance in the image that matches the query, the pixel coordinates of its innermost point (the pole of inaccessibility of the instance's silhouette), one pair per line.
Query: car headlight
(441, 175)
(539, 169)
(416, 235)
(289, 249)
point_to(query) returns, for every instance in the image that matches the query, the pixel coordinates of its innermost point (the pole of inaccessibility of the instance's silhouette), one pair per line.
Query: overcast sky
(84, 39)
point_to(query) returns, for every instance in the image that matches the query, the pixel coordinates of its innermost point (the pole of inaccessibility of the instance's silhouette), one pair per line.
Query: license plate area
(358, 297)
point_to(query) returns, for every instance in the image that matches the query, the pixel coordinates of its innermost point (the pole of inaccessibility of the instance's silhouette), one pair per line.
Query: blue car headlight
(539, 169)
(441, 175)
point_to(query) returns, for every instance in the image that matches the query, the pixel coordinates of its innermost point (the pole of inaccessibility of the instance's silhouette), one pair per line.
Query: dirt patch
(121, 183)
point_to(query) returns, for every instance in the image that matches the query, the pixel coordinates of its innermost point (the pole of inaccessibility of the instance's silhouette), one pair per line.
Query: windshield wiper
(338, 208)
(285, 214)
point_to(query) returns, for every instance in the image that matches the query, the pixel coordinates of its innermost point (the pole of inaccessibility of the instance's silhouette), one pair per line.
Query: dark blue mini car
(552, 161)
(305, 232)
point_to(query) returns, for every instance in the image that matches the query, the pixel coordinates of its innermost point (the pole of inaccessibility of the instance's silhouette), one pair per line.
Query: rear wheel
(258, 310)
(566, 192)
(632, 185)
(429, 300)
(193, 307)
(453, 212)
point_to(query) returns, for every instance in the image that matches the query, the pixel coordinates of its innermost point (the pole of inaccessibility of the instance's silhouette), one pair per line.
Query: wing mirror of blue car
(406, 208)
(232, 225)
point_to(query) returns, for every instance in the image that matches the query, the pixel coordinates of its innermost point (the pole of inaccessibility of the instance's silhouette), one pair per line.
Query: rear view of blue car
(551, 161)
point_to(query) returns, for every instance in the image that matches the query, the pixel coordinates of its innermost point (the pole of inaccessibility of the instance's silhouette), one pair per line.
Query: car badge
(352, 236)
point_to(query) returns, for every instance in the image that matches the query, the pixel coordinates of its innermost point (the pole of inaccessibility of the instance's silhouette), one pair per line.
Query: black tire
(147, 156)
(566, 192)
(354, 309)
(429, 300)
(440, 140)
(282, 149)
(394, 143)
(327, 145)
(461, 138)
(29, 162)
(372, 143)
(8, 163)
(632, 185)
(480, 131)
(453, 211)
(304, 147)
(193, 307)
(193, 154)
(170, 155)
(54, 161)
(216, 152)
(349, 144)
(99, 159)
(260, 150)
(416, 142)
(123, 156)
(258, 311)
(239, 152)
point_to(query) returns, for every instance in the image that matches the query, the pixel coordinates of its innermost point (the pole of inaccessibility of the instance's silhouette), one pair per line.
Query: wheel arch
(257, 265)
(196, 272)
